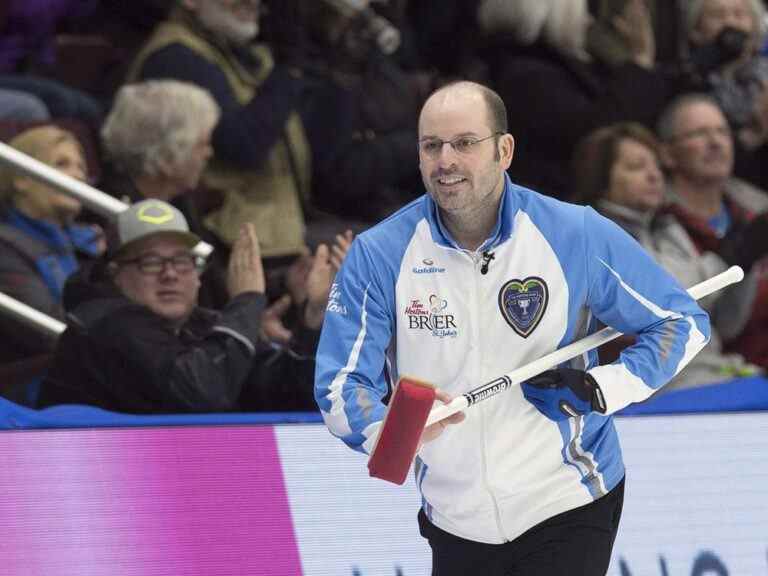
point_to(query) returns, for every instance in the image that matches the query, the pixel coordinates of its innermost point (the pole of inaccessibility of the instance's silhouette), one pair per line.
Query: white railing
(94, 199)
(31, 317)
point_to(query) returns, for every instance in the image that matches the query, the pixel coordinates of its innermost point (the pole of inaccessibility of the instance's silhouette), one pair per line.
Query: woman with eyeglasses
(41, 244)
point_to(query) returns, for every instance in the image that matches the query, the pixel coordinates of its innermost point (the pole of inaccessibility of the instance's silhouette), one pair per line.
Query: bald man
(474, 279)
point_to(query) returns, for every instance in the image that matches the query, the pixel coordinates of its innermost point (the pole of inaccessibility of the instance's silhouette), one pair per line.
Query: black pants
(574, 543)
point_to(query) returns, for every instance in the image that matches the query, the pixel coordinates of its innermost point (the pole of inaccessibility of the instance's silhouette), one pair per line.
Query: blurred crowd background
(299, 117)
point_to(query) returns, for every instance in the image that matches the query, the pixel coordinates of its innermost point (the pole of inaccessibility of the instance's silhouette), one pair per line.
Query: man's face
(169, 293)
(461, 182)
(236, 21)
(701, 149)
(717, 14)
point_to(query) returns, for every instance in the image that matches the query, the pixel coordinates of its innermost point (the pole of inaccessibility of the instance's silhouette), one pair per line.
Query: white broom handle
(94, 199)
(731, 276)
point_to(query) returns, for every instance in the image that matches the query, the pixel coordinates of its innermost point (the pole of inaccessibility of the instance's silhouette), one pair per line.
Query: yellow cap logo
(160, 213)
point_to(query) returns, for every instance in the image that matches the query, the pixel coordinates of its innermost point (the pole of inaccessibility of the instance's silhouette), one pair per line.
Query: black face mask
(726, 47)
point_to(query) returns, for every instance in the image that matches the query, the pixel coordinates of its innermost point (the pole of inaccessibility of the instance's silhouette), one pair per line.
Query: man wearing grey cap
(144, 346)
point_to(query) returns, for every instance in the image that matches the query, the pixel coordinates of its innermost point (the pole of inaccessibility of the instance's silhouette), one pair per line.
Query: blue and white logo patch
(523, 303)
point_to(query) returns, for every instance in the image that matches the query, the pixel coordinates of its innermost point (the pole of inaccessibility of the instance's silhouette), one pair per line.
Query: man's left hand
(564, 393)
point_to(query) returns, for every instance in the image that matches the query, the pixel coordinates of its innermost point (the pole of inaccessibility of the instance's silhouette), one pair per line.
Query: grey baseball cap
(145, 219)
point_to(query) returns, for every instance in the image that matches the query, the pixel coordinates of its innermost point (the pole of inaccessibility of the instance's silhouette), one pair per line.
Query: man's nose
(447, 154)
(169, 270)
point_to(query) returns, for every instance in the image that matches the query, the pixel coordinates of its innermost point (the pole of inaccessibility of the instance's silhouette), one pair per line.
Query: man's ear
(506, 150)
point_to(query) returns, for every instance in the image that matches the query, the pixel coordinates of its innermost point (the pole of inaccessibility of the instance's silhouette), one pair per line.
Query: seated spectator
(157, 142)
(261, 161)
(617, 170)
(555, 92)
(724, 39)
(721, 214)
(141, 344)
(40, 244)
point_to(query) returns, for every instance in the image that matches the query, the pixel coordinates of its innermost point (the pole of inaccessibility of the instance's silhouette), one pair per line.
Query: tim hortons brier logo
(432, 317)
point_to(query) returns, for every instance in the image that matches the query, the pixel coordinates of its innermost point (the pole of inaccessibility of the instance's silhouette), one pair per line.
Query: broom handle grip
(731, 276)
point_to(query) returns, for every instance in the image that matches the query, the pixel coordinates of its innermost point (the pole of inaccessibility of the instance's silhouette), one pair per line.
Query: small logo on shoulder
(523, 303)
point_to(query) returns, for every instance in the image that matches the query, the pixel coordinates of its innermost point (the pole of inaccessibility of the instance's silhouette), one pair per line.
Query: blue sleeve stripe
(574, 455)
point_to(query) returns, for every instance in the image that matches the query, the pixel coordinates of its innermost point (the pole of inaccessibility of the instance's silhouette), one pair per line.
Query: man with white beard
(261, 162)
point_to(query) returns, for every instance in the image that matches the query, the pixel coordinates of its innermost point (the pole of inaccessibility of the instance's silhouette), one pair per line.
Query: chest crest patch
(523, 303)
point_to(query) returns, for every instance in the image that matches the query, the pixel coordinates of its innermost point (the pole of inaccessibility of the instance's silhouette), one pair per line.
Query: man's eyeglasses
(465, 145)
(153, 265)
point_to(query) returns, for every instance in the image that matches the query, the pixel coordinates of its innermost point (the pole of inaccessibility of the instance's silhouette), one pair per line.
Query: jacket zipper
(477, 259)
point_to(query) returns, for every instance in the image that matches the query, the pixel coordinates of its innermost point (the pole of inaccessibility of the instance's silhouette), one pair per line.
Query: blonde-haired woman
(40, 244)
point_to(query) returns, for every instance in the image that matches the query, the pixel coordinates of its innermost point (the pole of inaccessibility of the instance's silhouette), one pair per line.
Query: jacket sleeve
(205, 374)
(628, 291)
(350, 375)
(19, 280)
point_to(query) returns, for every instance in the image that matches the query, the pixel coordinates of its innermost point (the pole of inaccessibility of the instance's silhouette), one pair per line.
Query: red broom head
(401, 431)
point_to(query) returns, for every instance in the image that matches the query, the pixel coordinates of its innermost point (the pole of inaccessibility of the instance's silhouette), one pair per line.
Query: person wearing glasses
(616, 169)
(476, 278)
(721, 213)
(143, 345)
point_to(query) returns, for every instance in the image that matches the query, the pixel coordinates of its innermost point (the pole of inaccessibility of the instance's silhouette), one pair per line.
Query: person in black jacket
(140, 344)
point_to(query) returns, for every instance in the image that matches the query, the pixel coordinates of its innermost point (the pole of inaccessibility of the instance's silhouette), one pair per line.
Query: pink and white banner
(290, 500)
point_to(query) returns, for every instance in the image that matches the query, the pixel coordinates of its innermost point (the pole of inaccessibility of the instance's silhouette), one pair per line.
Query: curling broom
(410, 409)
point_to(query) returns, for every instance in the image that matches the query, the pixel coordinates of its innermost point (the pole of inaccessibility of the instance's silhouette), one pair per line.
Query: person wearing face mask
(617, 170)
(261, 159)
(40, 243)
(478, 277)
(724, 38)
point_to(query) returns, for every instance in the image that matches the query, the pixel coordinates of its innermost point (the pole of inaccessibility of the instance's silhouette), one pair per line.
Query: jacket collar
(510, 202)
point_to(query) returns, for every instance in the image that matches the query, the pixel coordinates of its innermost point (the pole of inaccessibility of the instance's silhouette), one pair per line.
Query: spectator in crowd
(157, 138)
(40, 244)
(157, 142)
(724, 39)
(359, 109)
(554, 91)
(261, 161)
(721, 214)
(616, 169)
(28, 54)
(145, 346)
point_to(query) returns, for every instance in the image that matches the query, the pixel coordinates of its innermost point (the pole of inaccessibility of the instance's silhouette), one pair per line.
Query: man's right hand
(433, 431)
(245, 272)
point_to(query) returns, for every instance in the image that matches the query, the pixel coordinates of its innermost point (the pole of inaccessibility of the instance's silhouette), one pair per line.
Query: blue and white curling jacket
(409, 301)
